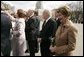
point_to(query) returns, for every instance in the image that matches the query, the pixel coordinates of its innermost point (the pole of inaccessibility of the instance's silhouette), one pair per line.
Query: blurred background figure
(6, 26)
(18, 41)
(47, 32)
(31, 31)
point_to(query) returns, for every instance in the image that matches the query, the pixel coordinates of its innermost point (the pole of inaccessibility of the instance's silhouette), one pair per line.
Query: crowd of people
(57, 36)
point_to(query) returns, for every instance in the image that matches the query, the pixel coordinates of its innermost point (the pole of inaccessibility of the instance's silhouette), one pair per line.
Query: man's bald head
(30, 12)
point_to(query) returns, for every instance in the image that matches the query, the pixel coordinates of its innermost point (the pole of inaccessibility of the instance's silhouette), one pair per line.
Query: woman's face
(61, 17)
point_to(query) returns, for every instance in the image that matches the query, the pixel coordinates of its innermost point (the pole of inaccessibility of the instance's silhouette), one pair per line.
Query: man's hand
(52, 49)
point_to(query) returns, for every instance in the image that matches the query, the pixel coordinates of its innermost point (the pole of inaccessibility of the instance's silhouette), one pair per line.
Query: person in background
(36, 14)
(47, 32)
(18, 31)
(6, 26)
(31, 31)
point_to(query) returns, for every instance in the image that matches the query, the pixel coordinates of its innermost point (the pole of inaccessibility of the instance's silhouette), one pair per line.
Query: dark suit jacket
(32, 28)
(32, 32)
(6, 25)
(48, 30)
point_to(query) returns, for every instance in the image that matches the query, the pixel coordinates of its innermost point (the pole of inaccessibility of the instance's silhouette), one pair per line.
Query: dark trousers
(45, 44)
(32, 46)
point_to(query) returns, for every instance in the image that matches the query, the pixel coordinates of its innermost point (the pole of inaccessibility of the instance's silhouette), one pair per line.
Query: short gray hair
(47, 11)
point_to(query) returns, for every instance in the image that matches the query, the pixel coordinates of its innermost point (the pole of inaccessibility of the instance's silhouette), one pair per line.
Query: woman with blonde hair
(65, 37)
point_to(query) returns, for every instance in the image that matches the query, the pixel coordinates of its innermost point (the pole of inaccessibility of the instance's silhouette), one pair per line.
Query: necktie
(44, 23)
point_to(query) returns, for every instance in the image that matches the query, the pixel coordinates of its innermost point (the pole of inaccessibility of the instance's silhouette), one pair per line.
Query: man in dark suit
(6, 25)
(47, 32)
(31, 30)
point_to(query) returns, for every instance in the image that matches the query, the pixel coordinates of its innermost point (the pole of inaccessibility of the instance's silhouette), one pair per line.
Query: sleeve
(21, 28)
(9, 21)
(16, 30)
(54, 29)
(37, 27)
(32, 24)
(71, 43)
(40, 34)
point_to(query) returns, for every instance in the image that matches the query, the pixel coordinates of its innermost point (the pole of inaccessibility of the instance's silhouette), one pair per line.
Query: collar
(68, 22)
(56, 19)
(48, 19)
(31, 15)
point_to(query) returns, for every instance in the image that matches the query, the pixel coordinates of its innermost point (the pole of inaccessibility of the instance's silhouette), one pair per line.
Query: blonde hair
(65, 10)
